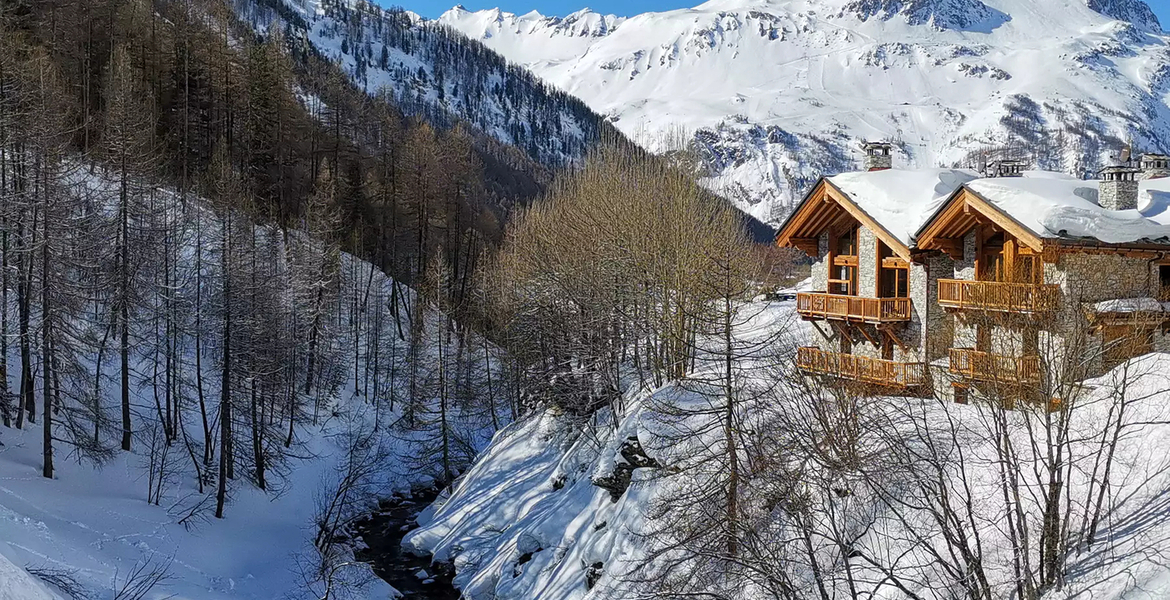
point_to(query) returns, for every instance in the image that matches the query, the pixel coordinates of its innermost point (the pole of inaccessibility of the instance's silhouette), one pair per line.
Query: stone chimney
(878, 156)
(1154, 166)
(1119, 188)
(1005, 168)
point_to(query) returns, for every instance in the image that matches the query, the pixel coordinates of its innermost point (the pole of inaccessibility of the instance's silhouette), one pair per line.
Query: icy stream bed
(414, 576)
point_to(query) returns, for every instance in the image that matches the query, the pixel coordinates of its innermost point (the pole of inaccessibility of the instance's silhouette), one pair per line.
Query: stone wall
(1118, 195)
(866, 263)
(820, 266)
(938, 334)
(1097, 277)
(1086, 279)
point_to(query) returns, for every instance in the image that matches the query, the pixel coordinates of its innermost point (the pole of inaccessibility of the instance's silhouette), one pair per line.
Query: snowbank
(1067, 208)
(17, 584)
(527, 523)
(1128, 305)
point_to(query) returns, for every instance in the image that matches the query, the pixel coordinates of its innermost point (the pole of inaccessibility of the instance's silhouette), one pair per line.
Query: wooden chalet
(953, 280)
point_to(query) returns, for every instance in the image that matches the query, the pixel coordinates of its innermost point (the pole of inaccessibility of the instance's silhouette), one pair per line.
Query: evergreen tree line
(176, 199)
(447, 77)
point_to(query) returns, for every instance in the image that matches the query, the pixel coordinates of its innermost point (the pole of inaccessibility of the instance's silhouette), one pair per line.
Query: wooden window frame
(962, 393)
(849, 262)
(884, 263)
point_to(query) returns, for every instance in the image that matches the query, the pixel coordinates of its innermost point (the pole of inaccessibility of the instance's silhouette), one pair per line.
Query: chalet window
(843, 270)
(887, 349)
(1003, 259)
(846, 344)
(1026, 269)
(847, 243)
(991, 263)
(962, 394)
(1164, 282)
(1031, 341)
(983, 338)
(893, 274)
(1122, 342)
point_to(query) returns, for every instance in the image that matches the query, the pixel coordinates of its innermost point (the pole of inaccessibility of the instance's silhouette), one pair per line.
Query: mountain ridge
(777, 92)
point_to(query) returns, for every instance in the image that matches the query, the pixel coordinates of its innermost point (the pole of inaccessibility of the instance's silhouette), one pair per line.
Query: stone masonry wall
(938, 335)
(1087, 279)
(820, 266)
(866, 263)
(1118, 195)
(1097, 277)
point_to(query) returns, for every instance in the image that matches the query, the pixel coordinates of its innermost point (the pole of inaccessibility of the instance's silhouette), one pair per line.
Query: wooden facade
(853, 308)
(878, 372)
(1030, 298)
(976, 365)
(992, 284)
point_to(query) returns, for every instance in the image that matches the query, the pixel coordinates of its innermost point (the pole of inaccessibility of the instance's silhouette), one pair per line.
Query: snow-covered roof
(900, 200)
(1128, 305)
(1055, 205)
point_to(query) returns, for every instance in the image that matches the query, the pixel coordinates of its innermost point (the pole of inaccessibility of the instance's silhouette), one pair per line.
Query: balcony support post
(894, 338)
(865, 333)
(828, 338)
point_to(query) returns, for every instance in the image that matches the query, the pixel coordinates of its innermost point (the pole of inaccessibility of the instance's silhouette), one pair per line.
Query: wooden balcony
(886, 373)
(988, 367)
(853, 308)
(993, 295)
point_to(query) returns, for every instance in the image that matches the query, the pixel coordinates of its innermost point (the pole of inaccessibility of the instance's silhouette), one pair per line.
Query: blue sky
(434, 8)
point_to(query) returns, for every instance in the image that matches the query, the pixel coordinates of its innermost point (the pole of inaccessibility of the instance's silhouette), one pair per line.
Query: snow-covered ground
(529, 522)
(93, 528)
(779, 92)
(97, 526)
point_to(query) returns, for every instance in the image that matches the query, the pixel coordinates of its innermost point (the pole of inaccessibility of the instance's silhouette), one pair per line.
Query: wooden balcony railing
(993, 295)
(853, 308)
(859, 368)
(985, 366)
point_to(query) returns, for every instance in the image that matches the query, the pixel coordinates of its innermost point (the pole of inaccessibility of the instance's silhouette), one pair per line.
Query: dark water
(383, 532)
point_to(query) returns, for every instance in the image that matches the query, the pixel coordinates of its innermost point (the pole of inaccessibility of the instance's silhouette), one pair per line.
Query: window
(847, 243)
(962, 394)
(843, 267)
(887, 349)
(991, 263)
(1164, 282)
(846, 344)
(1025, 269)
(983, 338)
(1121, 342)
(1031, 341)
(893, 274)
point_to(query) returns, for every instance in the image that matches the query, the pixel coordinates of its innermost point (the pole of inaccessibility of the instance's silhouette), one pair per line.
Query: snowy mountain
(437, 74)
(777, 92)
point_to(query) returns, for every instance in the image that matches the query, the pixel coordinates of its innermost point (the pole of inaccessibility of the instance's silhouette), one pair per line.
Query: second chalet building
(951, 282)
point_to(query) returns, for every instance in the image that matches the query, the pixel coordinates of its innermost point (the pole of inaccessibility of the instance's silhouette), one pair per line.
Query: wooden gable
(826, 208)
(963, 211)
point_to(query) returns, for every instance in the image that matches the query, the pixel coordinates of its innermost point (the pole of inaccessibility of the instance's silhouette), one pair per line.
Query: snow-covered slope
(778, 92)
(92, 527)
(437, 74)
(530, 520)
(17, 584)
